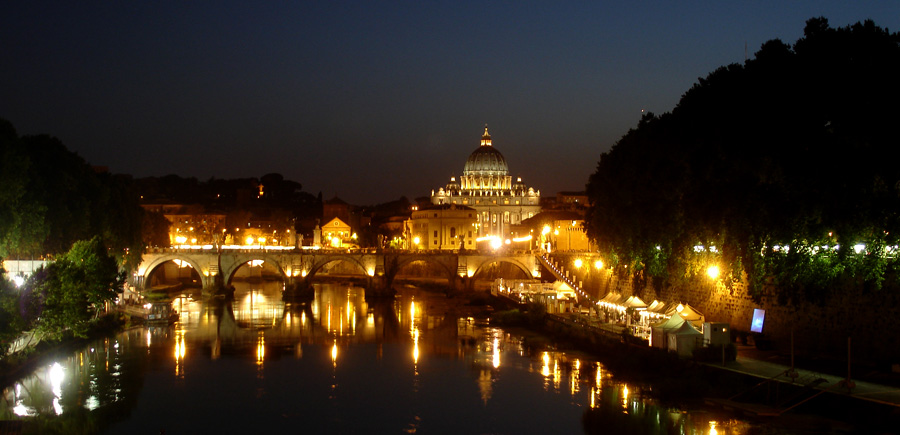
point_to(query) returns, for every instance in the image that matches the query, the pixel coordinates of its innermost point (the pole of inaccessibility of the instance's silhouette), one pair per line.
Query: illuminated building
(191, 224)
(338, 234)
(445, 226)
(561, 230)
(486, 186)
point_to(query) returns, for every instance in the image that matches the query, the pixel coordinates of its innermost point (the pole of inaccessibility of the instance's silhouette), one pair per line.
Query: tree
(12, 324)
(768, 162)
(75, 287)
(156, 230)
(22, 225)
(52, 197)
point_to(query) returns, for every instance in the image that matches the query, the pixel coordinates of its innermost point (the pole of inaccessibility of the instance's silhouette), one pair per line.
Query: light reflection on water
(338, 364)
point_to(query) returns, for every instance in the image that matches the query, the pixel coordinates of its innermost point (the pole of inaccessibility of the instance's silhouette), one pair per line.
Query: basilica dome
(486, 160)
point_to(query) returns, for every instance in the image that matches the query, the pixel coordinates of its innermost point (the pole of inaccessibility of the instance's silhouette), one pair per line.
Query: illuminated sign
(758, 317)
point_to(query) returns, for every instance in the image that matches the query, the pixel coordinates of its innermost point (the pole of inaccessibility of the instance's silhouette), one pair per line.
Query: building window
(506, 217)
(435, 233)
(470, 234)
(452, 232)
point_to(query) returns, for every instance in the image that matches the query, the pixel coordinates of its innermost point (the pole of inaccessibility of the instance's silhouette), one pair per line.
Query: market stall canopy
(670, 324)
(634, 302)
(561, 286)
(687, 312)
(685, 339)
(562, 290)
(657, 307)
(660, 330)
(615, 299)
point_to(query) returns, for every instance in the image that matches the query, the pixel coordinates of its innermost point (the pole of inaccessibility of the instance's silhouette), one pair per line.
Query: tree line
(52, 198)
(782, 170)
(54, 205)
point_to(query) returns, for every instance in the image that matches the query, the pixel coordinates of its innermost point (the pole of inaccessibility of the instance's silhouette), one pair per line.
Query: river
(336, 365)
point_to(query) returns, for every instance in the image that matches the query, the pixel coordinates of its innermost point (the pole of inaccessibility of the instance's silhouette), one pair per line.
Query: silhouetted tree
(794, 148)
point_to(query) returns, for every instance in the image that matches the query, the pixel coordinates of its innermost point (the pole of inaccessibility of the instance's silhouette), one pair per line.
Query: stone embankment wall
(869, 318)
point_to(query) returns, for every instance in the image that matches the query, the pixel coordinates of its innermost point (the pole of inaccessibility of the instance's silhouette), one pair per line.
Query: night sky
(370, 101)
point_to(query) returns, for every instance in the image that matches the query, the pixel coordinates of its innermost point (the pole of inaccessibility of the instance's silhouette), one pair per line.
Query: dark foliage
(784, 165)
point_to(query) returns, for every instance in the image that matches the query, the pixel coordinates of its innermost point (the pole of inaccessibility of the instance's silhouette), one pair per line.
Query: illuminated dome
(498, 202)
(486, 160)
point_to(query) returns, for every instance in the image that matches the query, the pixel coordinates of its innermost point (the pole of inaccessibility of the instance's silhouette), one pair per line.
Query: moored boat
(152, 313)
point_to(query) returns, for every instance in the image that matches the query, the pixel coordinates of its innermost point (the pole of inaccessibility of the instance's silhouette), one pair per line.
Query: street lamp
(713, 271)
(545, 242)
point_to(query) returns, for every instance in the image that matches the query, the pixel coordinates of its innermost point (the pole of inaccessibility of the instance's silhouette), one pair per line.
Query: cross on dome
(486, 137)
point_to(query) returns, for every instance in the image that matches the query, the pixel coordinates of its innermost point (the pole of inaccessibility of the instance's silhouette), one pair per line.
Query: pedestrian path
(883, 394)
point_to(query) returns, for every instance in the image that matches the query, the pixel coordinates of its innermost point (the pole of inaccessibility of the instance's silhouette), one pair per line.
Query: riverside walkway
(774, 367)
(771, 367)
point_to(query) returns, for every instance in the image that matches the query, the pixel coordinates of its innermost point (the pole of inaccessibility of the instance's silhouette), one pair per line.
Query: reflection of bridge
(298, 267)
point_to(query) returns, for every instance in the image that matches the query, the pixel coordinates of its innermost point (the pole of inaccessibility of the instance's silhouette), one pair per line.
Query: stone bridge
(297, 267)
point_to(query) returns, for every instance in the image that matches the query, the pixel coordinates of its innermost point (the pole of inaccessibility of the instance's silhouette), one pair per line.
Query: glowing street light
(598, 264)
(578, 263)
(713, 271)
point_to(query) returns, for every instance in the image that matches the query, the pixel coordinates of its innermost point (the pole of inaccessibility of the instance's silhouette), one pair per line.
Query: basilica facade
(486, 186)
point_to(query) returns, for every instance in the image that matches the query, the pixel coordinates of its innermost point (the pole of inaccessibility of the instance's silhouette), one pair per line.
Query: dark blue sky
(370, 100)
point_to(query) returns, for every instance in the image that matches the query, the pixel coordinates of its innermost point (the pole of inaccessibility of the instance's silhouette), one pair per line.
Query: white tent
(686, 312)
(661, 330)
(684, 340)
(563, 291)
(634, 302)
(656, 306)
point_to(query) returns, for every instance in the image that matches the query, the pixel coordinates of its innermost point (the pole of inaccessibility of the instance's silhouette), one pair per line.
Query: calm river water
(335, 365)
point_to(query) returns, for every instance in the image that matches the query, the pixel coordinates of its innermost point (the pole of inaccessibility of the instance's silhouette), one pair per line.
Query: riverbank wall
(686, 381)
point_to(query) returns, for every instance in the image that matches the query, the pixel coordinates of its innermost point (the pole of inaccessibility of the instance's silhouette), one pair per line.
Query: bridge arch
(496, 260)
(195, 264)
(239, 261)
(401, 263)
(320, 263)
